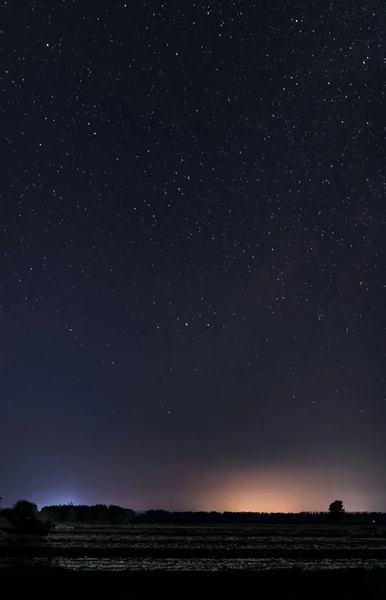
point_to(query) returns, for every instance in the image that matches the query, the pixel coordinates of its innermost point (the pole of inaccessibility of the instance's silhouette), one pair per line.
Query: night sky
(193, 253)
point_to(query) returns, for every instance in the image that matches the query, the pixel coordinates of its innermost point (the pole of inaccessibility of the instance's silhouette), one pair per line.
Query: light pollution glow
(256, 490)
(287, 491)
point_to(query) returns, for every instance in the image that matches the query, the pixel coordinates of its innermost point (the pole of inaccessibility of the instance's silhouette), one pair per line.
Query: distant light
(60, 499)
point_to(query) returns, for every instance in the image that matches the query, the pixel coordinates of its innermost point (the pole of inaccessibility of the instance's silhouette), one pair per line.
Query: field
(140, 555)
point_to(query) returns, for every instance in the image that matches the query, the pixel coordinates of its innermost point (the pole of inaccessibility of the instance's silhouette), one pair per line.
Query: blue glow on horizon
(59, 499)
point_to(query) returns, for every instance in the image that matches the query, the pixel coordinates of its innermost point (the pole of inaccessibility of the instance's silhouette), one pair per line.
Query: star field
(192, 245)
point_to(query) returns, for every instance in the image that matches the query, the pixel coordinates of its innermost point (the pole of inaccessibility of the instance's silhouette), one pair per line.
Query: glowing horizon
(306, 490)
(301, 489)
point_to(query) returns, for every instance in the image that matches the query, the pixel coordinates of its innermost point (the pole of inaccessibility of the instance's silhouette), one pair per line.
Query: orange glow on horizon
(285, 491)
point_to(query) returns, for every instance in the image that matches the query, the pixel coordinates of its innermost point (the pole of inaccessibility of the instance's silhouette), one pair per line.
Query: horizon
(139, 512)
(297, 490)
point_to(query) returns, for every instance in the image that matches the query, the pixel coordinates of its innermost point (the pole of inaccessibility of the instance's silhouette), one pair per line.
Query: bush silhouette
(25, 507)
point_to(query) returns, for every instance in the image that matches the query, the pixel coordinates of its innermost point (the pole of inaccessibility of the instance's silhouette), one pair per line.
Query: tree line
(98, 514)
(101, 514)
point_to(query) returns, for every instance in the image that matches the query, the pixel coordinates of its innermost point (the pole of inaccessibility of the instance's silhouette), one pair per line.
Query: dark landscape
(187, 558)
(185, 561)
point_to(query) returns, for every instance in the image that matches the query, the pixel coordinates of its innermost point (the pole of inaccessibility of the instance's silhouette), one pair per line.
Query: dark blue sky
(192, 252)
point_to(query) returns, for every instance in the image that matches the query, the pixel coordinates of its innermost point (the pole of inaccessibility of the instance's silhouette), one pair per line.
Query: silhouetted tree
(25, 507)
(336, 510)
